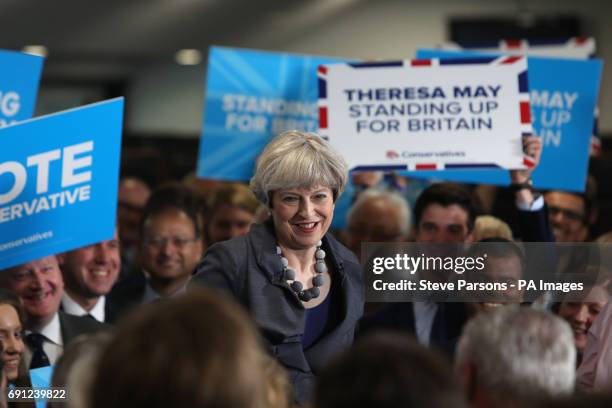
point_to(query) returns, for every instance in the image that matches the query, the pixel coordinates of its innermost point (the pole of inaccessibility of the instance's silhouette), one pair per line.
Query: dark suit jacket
(71, 328)
(534, 226)
(445, 331)
(74, 326)
(250, 270)
(112, 311)
(125, 296)
(450, 318)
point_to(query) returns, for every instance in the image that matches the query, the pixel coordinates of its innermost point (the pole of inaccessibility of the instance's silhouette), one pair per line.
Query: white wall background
(168, 98)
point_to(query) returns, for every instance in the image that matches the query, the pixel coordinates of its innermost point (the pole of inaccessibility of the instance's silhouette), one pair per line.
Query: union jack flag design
(524, 106)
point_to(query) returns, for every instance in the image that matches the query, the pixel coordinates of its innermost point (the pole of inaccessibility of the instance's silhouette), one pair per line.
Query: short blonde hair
(487, 226)
(298, 160)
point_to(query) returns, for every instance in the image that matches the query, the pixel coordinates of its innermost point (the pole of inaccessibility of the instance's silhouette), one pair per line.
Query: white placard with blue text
(58, 181)
(19, 79)
(563, 98)
(252, 96)
(427, 114)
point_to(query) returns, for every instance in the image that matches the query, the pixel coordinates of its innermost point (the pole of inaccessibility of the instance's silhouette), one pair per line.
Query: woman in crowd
(595, 372)
(15, 369)
(301, 286)
(2, 380)
(11, 336)
(581, 312)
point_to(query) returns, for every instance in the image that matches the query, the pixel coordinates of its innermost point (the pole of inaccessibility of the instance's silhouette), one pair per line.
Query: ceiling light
(188, 57)
(39, 50)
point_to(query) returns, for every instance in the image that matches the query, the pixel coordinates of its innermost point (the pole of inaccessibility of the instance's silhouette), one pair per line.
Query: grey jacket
(249, 268)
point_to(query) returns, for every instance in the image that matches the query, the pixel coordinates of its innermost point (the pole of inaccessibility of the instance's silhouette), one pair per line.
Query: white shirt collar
(73, 308)
(53, 331)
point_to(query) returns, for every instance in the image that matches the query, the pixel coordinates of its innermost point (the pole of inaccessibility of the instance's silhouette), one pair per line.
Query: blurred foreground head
(197, 350)
(388, 370)
(513, 354)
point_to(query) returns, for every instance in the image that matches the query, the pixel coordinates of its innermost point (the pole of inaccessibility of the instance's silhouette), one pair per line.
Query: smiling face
(171, 248)
(91, 271)
(302, 215)
(567, 216)
(580, 315)
(11, 337)
(504, 270)
(39, 285)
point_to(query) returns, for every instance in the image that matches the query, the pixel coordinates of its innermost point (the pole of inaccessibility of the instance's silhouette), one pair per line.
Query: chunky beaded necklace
(317, 281)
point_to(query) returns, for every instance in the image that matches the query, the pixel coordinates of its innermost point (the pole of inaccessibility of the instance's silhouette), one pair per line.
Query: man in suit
(445, 213)
(170, 248)
(40, 287)
(89, 274)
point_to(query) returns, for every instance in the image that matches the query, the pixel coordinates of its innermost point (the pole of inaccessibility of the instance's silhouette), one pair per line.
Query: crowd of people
(244, 297)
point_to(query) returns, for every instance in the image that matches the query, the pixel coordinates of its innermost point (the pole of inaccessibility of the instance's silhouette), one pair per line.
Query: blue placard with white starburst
(252, 96)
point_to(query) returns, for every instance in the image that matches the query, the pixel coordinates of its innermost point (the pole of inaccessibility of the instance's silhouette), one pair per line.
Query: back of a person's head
(198, 350)
(605, 238)
(487, 226)
(516, 353)
(386, 198)
(388, 370)
(76, 367)
(278, 391)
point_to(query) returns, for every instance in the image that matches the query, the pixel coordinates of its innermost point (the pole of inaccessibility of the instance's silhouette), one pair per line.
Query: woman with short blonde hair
(301, 286)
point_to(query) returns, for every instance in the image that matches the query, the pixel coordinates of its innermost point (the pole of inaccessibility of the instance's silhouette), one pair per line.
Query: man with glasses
(571, 213)
(170, 247)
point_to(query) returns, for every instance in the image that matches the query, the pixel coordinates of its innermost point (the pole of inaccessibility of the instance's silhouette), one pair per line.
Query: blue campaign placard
(41, 378)
(58, 181)
(252, 96)
(563, 98)
(19, 79)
